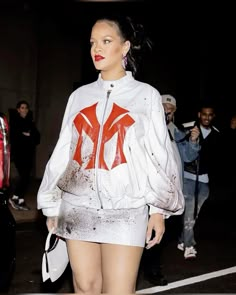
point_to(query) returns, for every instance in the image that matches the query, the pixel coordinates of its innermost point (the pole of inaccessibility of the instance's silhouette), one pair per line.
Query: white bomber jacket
(113, 152)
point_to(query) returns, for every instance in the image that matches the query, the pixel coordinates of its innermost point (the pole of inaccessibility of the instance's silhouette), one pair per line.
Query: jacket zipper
(99, 146)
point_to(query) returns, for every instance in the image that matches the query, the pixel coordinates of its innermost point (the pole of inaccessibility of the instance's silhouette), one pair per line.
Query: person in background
(198, 175)
(233, 122)
(7, 221)
(117, 181)
(186, 149)
(24, 137)
(228, 156)
(186, 146)
(4, 155)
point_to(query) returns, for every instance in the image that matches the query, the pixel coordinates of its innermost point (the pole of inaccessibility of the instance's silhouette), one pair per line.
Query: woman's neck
(112, 76)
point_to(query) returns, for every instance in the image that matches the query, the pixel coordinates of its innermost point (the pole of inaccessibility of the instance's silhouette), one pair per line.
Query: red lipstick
(98, 57)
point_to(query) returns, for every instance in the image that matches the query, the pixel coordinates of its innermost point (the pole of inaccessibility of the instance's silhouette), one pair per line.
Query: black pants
(24, 167)
(151, 260)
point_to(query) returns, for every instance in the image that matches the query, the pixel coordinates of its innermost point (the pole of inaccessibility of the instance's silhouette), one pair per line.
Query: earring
(124, 61)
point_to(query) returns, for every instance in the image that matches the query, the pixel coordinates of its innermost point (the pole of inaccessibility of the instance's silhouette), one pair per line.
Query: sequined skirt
(115, 226)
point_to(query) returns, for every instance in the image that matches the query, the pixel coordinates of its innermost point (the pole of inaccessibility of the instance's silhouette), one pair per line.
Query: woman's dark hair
(133, 32)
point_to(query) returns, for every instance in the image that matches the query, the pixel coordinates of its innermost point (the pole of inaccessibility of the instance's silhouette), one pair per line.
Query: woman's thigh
(120, 266)
(85, 261)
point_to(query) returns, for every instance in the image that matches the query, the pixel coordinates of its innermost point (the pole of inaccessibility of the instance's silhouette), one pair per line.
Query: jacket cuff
(51, 212)
(153, 210)
(194, 144)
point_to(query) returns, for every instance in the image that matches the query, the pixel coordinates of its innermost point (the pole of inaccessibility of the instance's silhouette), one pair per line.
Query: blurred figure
(24, 137)
(7, 221)
(197, 176)
(228, 160)
(4, 154)
(233, 123)
(185, 146)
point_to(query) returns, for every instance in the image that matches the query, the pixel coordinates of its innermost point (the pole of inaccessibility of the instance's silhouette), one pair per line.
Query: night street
(214, 270)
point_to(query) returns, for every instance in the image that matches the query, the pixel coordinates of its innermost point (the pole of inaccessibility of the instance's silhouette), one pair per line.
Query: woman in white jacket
(112, 167)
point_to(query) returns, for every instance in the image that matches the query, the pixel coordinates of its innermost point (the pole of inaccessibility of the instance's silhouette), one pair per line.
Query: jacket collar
(116, 84)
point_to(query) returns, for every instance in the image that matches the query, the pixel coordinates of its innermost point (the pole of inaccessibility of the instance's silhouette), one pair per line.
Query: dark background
(45, 55)
(193, 56)
(193, 52)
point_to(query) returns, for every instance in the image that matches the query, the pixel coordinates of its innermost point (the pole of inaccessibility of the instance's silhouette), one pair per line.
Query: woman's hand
(51, 222)
(157, 223)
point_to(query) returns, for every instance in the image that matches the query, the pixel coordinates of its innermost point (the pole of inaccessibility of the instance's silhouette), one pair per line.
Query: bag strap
(47, 243)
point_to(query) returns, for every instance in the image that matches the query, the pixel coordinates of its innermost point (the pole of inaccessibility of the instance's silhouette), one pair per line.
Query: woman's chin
(98, 68)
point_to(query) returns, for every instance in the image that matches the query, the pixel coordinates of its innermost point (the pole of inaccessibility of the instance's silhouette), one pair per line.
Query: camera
(188, 126)
(167, 118)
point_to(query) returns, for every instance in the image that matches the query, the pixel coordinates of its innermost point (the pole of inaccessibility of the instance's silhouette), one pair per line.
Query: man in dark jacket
(197, 177)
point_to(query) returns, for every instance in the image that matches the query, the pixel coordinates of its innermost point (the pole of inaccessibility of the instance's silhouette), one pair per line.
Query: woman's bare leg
(120, 266)
(85, 261)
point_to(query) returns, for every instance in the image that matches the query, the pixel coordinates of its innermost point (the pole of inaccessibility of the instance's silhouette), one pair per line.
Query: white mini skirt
(115, 226)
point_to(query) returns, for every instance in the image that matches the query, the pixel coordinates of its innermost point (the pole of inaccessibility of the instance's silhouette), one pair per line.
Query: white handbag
(55, 258)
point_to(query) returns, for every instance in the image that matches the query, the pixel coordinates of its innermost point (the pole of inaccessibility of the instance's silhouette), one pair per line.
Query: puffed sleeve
(164, 193)
(49, 195)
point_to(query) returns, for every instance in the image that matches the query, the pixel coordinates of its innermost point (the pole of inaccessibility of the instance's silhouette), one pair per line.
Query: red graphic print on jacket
(110, 128)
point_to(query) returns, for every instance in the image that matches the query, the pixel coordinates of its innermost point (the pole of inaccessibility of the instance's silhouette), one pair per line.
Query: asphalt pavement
(213, 271)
